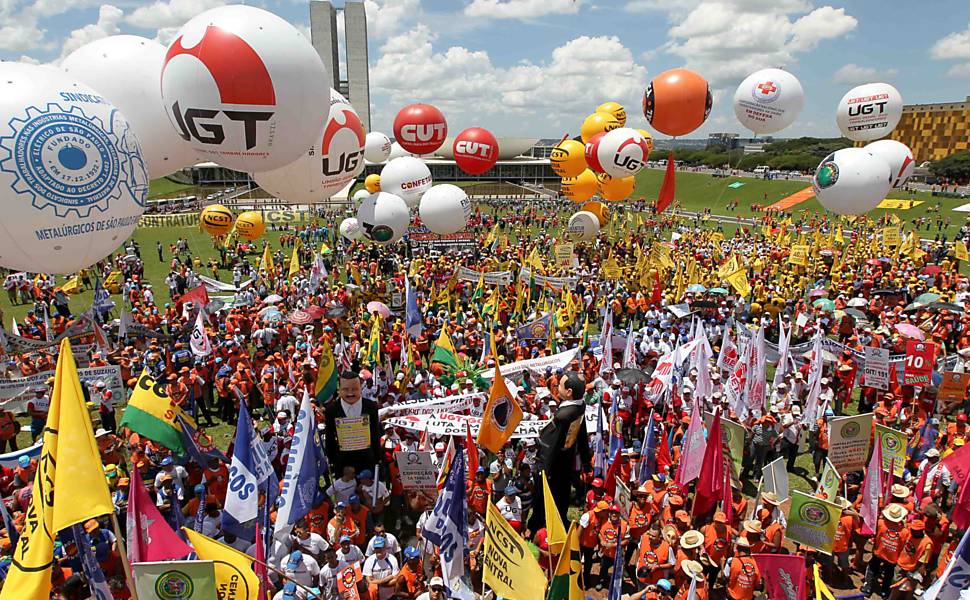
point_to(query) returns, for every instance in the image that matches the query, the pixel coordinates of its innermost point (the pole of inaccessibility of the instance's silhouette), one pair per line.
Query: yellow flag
(74, 476)
(266, 262)
(294, 263)
(838, 235)
(822, 592)
(565, 579)
(960, 250)
(739, 281)
(555, 530)
(502, 414)
(234, 570)
(508, 566)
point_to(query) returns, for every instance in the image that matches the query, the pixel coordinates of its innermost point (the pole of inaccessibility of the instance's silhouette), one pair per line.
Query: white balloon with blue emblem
(851, 181)
(384, 217)
(125, 69)
(73, 180)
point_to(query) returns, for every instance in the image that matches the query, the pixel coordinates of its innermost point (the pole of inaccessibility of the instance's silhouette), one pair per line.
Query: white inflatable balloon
(851, 181)
(869, 112)
(328, 166)
(407, 177)
(898, 156)
(244, 88)
(622, 152)
(73, 181)
(359, 195)
(350, 228)
(377, 148)
(768, 100)
(583, 226)
(397, 152)
(445, 209)
(125, 70)
(384, 217)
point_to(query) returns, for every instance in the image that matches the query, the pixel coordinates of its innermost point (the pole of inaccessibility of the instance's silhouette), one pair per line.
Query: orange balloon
(677, 102)
(599, 209)
(598, 122)
(580, 188)
(568, 159)
(649, 138)
(615, 189)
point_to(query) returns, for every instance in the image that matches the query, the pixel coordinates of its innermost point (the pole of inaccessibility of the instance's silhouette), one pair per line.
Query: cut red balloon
(420, 128)
(592, 153)
(476, 150)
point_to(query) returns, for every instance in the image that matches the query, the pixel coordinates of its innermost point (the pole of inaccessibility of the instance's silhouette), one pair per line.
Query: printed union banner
(893, 449)
(876, 368)
(812, 521)
(175, 580)
(849, 442)
(732, 436)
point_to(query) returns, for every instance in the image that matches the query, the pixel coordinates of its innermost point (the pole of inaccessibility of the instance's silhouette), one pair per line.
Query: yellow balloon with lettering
(250, 225)
(615, 189)
(568, 158)
(580, 188)
(599, 209)
(649, 138)
(373, 183)
(598, 122)
(615, 109)
(216, 220)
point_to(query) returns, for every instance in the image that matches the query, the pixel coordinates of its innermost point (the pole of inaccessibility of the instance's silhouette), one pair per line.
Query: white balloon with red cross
(768, 100)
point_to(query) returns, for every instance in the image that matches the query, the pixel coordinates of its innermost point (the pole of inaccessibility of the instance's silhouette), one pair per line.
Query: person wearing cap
(347, 553)
(411, 581)
(301, 568)
(589, 531)
(511, 507)
(480, 492)
(956, 430)
(596, 492)
(380, 571)
(356, 419)
(341, 525)
(901, 495)
(917, 549)
(613, 535)
(717, 543)
(436, 590)
(886, 548)
(742, 572)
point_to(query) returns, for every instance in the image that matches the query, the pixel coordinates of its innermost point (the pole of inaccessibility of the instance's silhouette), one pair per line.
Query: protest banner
(953, 390)
(784, 575)
(14, 393)
(508, 565)
(920, 360)
(849, 442)
(556, 361)
(799, 255)
(556, 283)
(489, 277)
(775, 478)
(176, 579)
(893, 448)
(448, 404)
(417, 471)
(564, 255)
(452, 424)
(812, 521)
(876, 368)
(732, 436)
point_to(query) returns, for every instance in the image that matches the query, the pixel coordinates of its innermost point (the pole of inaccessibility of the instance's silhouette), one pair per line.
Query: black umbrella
(947, 306)
(336, 312)
(632, 376)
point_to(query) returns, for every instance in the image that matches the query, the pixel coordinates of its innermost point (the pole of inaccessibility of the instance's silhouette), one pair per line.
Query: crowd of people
(677, 283)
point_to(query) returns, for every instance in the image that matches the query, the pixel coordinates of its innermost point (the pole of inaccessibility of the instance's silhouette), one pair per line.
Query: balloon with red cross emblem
(768, 100)
(244, 88)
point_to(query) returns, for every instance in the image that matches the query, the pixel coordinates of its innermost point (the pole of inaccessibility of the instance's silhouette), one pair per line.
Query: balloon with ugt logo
(328, 166)
(420, 128)
(476, 150)
(244, 88)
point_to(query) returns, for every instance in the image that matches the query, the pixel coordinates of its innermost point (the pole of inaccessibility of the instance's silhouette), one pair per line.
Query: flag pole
(129, 578)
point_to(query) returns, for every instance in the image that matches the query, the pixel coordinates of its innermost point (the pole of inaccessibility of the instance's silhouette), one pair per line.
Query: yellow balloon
(615, 109)
(599, 209)
(580, 188)
(250, 225)
(568, 158)
(216, 220)
(598, 122)
(615, 189)
(649, 138)
(373, 183)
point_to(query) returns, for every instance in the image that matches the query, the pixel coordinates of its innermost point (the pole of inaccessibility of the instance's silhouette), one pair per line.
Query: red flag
(918, 492)
(667, 188)
(472, 451)
(961, 512)
(657, 295)
(727, 500)
(958, 462)
(784, 575)
(259, 566)
(711, 480)
(150, 538)
(888, 487)
(664, 460)
(610, 483)
(197, 295)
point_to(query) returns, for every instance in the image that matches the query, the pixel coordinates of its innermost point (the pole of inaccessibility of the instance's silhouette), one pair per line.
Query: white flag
(199, 340)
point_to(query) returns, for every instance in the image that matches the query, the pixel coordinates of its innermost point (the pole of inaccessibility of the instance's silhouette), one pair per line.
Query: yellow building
(934, 131)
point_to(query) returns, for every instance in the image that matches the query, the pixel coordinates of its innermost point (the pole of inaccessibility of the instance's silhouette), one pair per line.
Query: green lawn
(161, 188)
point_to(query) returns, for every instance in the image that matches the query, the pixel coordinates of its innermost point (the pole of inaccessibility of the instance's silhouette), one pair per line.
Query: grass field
(161, 188)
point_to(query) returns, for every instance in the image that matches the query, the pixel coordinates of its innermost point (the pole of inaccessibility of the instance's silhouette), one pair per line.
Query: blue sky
(538, 67)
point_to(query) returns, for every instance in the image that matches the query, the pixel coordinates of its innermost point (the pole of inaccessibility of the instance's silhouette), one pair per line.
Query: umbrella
(824, 304)
(718, 290)
(856, 314)
(375, 307)
(874, 262)
(910, 331)
(336, 312)
(858, 302)
(947, 306)
(299, 317)
(272, 299)
(930, 270)
(826, 356)
(818, 292)
(272, 315)
(926, 298)
(696, 288)
(317, 312)
(632, 376)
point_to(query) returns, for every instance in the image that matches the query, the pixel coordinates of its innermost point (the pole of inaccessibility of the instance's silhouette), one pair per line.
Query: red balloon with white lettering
(420, 128)
(592, 153)
(621, 152)
(476, 150)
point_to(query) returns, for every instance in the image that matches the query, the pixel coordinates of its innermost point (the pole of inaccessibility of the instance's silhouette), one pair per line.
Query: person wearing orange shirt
(917, 548)
(849, 523)
(342, 524)
(887, 545)
(611, 538)
(717, 542)
(358, 512)
(743, 575)
(479, 492)
(655, 557)
(690, 549)
(589, 527)
(693, 569)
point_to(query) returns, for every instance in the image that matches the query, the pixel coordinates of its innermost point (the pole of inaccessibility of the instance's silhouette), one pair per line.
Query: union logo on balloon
(476, 150)
(420, 128)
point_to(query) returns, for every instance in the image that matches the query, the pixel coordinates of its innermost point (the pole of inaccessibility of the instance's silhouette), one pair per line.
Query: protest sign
(893, 449)
(417, 471)
(812, 521)
(876, 368)
(849, 442)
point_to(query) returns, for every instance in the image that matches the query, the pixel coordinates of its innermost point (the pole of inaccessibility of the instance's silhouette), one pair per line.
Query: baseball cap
(380, 542)
(410, 552)
(436, 581)
(366, 474)
(295, 559)
(354, 499)
(344, 538)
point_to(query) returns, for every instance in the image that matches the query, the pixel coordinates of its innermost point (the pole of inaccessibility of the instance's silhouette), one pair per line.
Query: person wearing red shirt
(887, 545)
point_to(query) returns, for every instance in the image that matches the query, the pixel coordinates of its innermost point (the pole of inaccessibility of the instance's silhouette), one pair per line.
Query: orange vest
(611, 536)
(717, 542)
(651, 556)
(913, 550)
(589, 536)
(743, 578)
(889, 541)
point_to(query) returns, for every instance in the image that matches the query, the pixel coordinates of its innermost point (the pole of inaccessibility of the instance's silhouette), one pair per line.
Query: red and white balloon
(476, 150)
(592, 153)
(420, 128)
(622, 152)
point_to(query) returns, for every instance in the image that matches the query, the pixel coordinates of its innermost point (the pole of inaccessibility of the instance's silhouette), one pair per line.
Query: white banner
(218, 287)
(450, 404)
(876, 369)
(556, 361)
(490, 277)
(15, 393)
(417, 471)
(556, 283)
(452, 424)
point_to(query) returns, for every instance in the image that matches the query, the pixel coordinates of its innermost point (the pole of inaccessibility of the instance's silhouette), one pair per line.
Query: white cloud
(109, 17)
(954, 46)
(521, 9)
(961, 71)
(169, 13)
(853, 74)
(19, 36)
(387, 17)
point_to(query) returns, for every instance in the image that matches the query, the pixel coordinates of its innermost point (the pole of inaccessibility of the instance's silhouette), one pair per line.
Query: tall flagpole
(129, 578)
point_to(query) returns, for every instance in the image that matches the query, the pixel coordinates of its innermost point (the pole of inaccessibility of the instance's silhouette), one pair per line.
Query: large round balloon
(583, 226)
(768, 100)
(350, 228)
(420, 128)
(250, 225)
(598, 122)
(373, 183)
(245, 88)
(898, 156)
(615, 189)
(407, 177)
(359, 195)
(591, 153)
(648, 138)
(73, 181)
(580, 188)
(568, 159)
(869, 112)
(125, 69)
(615, 109)
(377, 147)
(677, 102)
(445, 209)
(397, 151)
(216, 220)
(851, 181)
(476, 150)
(384, 217)
(599, 209)
(622, 152)
(328, 166)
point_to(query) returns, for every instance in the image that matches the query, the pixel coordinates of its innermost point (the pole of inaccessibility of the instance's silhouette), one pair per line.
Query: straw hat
(770, 498)
(691, 539)
(742, 542)
(895, 512)
(752, 526)
(692, 568)
(900, 491)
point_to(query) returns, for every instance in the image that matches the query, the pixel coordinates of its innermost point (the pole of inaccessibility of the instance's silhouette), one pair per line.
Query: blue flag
(100, 590)
(648, 452)
(954, 579)
(249, 468)
(304, 467)
(198, 446)
(102, 299)
(200, 511)
(536, 330)
(412, 316)
(599, 458)
(447, 529)
(616, 577)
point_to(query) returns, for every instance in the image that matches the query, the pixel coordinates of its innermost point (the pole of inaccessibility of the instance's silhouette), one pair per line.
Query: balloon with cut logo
(244, 88)
(406, 177)
(216, 220)
(568, 158)
(445, 209)
(420, 128)
(384, 217)
(869, 112)
(377, 147)
(851, 181)
(677, 102)
(768, 101)
(476, 150)
(250, 225)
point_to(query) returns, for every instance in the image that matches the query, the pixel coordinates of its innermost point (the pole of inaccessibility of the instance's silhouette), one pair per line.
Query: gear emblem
(72, 163)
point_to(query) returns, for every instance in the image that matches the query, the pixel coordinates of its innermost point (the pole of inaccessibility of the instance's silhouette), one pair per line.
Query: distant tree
(954, 168)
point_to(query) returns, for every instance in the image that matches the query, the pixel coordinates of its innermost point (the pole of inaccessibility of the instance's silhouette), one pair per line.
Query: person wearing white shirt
(436, 590)
(309, 542)
(348, 553)
(390, 541)
(511, 506)
(287, 402)
(342, 489)
(301, 568)
(380, 569)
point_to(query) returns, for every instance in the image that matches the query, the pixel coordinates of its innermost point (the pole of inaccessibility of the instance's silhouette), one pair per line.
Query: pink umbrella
(910, 331)
(379, 308)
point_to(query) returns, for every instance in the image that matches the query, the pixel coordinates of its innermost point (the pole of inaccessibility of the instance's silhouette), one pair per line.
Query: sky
(537, 68)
